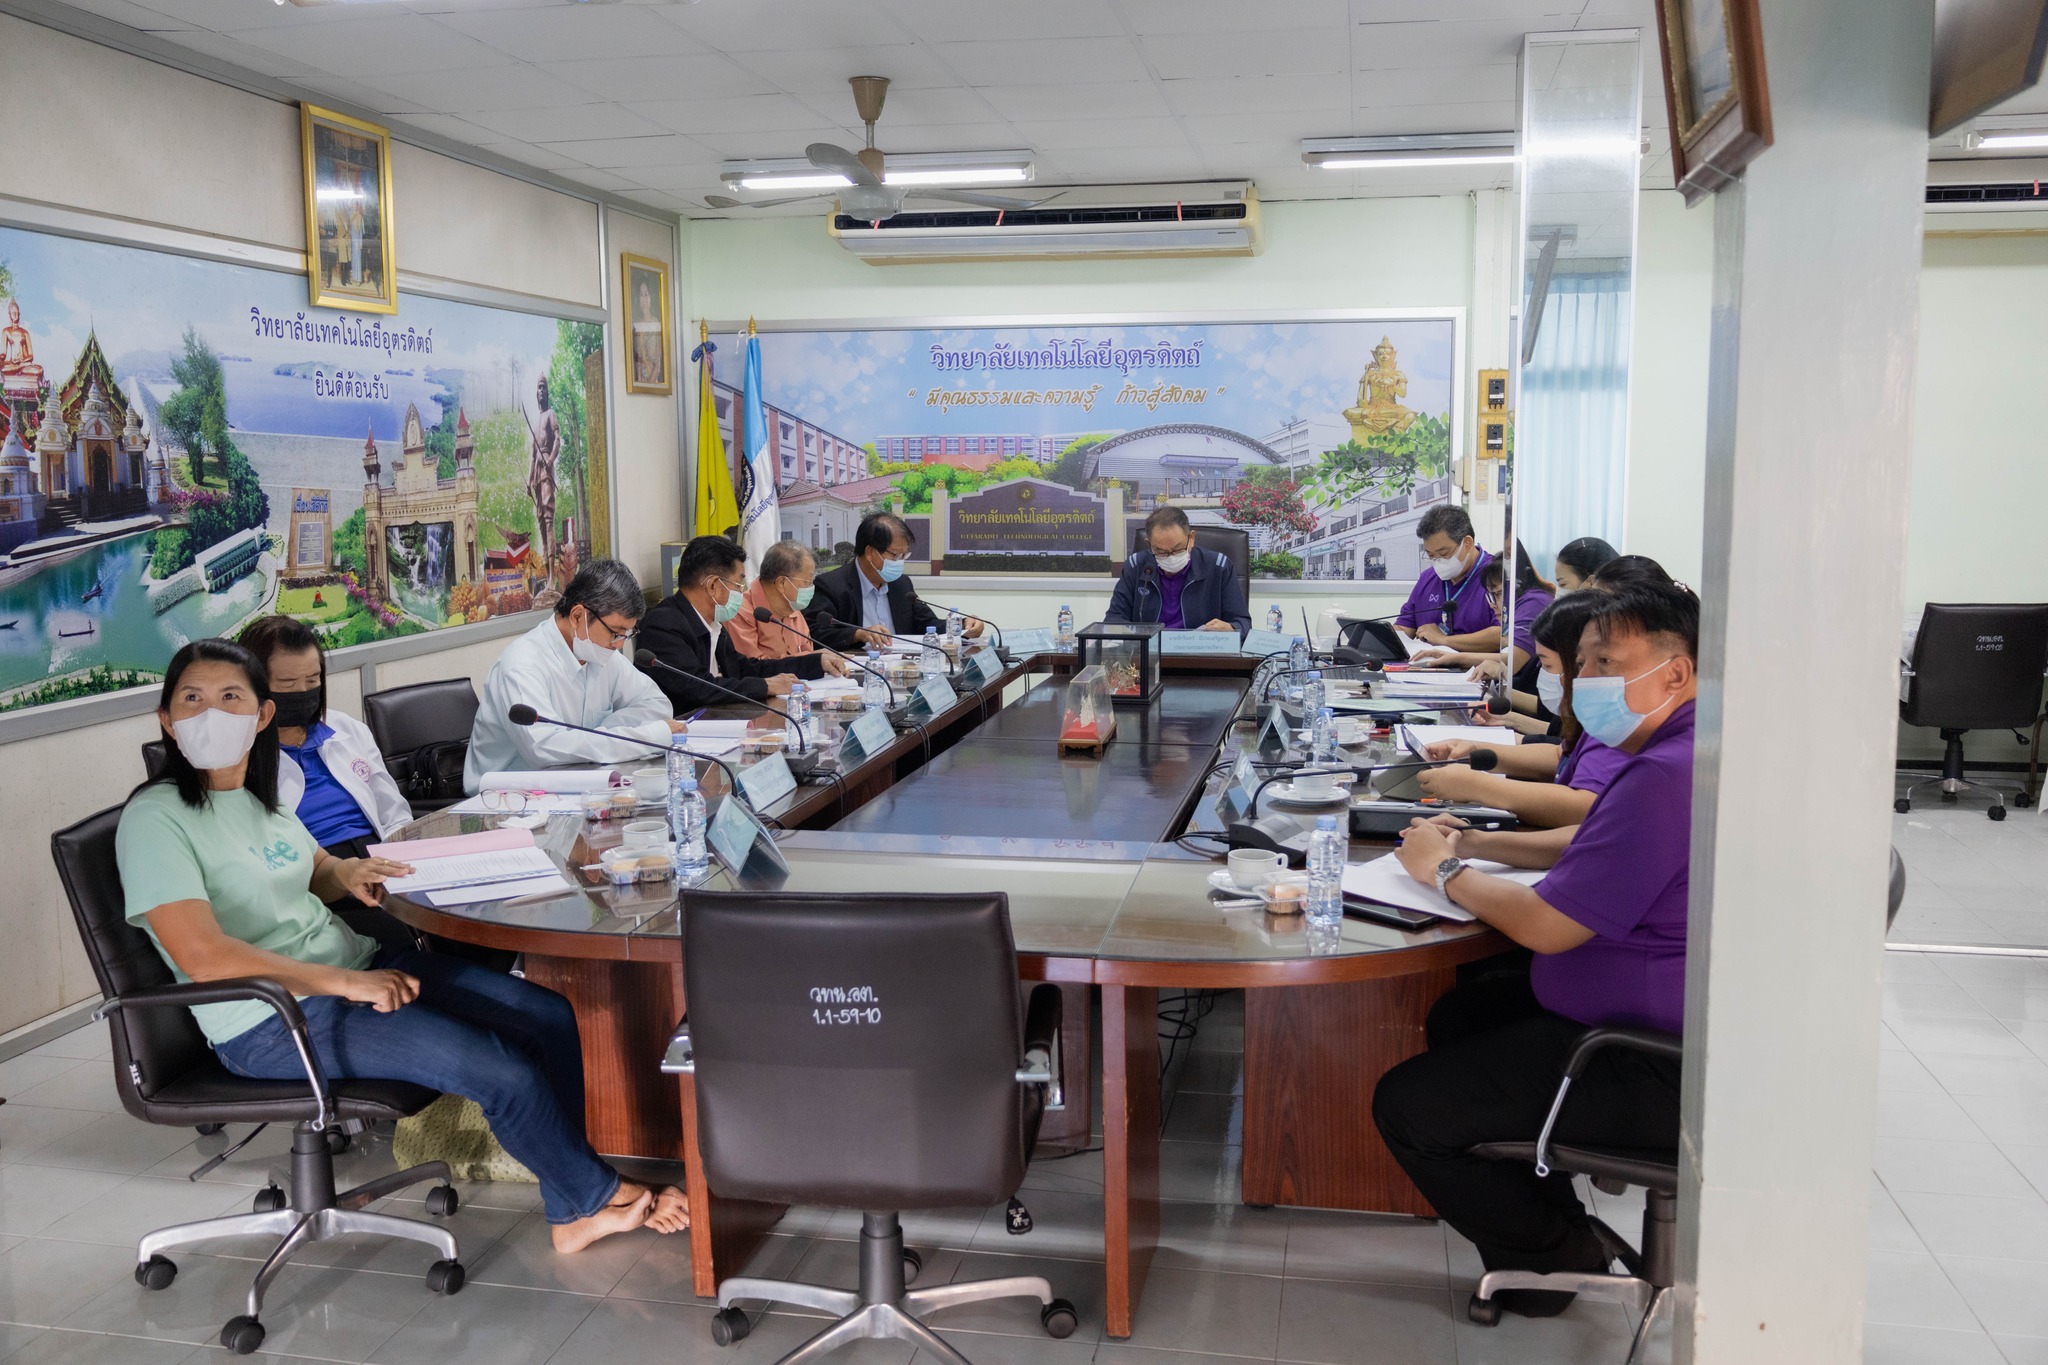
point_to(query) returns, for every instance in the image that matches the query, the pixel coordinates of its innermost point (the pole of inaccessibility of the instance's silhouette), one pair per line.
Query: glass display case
(1128, 651)
(1089, 721)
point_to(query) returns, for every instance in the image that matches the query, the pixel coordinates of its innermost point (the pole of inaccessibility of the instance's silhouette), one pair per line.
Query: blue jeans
(508, 1044)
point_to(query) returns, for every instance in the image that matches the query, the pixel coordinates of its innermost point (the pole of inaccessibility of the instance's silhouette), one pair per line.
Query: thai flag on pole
(760, 508)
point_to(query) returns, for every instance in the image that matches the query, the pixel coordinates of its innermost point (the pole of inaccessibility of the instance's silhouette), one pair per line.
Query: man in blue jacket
(1177, 585)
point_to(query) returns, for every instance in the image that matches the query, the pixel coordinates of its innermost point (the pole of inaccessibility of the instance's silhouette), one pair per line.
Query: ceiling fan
(869, 197)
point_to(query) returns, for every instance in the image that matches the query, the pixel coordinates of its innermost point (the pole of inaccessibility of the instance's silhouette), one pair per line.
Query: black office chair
(153, 752)
(1974, 667)
(864, 1052)
(1232, 542)
(1646, 1286)
(423, 732)
(167, 1074)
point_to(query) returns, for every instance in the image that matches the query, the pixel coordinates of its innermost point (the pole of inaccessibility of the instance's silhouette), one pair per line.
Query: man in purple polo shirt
(1607, 926)
(1447, 605)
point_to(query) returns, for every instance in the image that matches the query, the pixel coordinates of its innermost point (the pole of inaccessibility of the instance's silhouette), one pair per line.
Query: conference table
(1103, 898)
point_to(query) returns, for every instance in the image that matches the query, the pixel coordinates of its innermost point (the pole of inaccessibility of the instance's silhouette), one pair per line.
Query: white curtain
(1571, 427)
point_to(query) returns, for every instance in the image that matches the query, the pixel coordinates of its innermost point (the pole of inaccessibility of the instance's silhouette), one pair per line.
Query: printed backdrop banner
(184, 446)
(1325, 439)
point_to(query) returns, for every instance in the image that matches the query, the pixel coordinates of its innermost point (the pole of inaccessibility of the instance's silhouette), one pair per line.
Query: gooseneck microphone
(522, 714)
(805, 759)
(767, 618)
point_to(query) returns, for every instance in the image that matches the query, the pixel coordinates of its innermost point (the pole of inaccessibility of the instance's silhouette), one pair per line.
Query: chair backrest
(1978, 666)
(1234, 543)
(856, 1051)
(1895, 893)
(402, 719)
(152, 1048)
(154, 755)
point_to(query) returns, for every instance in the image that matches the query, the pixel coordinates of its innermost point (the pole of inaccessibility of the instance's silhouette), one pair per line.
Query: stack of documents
(1384, 881)
(463, 869)
(828, 689)
(1414, 737)
(1437, 688)
(567, 781)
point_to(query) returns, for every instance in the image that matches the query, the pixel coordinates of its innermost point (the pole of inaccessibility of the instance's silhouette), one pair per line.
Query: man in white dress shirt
(574, 666)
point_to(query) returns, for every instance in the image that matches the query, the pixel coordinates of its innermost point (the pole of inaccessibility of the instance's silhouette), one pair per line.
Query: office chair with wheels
(865, 1052)
(1974, 667)
(423, 732)
(167, 1074)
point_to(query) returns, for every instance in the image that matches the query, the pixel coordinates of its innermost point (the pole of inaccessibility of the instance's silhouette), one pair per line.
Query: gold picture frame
(643, 313)
(351, 239)
(1714, 89)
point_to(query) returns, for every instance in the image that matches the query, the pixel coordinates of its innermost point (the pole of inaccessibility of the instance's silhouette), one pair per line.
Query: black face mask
(296, 710)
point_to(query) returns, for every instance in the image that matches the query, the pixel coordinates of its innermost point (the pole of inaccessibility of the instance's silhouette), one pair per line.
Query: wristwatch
(1445, 870)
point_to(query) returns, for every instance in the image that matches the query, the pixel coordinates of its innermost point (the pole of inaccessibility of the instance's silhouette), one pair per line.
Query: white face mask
(214, 738)
(1550, 690)
(1171, 564)
(1449, 567)
(590, 651)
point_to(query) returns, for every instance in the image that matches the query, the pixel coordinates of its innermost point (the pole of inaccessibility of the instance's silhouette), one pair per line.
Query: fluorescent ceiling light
(961, 175)
(814, 181)
(1408, 150)
(902, 168)
(1998, 142)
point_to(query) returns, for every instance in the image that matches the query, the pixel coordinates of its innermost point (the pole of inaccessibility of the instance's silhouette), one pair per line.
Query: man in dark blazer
(686, 631)
(868, 600)
(1178, 584)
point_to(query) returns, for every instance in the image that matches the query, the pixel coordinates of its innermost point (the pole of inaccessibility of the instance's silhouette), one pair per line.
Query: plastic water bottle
(873, 690)
(1066, 630)
(931, 660)
(1275, 618)
(1297, 655)
(956, 628)
(1326, 849)
(686, 821)
(1323, 736)
(1312, 695)
(798, 704)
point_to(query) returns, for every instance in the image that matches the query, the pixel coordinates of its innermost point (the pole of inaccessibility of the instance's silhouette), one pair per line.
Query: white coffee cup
(643, 833)
(1252, 868)
(650, 785)
(1352, 732)
(1315, 785)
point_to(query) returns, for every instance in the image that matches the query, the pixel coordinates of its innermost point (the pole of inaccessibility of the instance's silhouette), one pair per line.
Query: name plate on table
(1235, 800)
(767, 781)
(983, 668)
(1274, 733)
(865, 738)
(1264, 644)
(937, 694)
(1025, 643)
(737, 835)
(1197, 642)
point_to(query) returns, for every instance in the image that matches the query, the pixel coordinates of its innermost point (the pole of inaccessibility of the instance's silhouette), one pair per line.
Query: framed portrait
(644, 305)
(351, 249)
(1715, 90)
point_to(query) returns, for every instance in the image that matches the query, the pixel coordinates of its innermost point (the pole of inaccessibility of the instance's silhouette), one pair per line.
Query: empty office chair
(423, 732)
(1974, 667)
(865, 1052)
(166, 1074)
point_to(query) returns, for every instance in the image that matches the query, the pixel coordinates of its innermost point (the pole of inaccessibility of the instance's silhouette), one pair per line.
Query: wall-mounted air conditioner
(1987, 184)
(1076, 222)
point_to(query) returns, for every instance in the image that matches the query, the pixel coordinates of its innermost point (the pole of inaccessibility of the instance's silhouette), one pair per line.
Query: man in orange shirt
(784, 586)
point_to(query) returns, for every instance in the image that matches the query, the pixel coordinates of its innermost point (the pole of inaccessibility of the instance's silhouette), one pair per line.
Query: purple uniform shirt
(1590, 765)
(1171, 585)
(1467, 599)
(1529, 606)
(1624, 876)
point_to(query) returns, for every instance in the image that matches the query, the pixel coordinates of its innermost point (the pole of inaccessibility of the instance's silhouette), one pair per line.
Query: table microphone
(1001, 652)
(522, 714)
(805, 760)
(767, 618)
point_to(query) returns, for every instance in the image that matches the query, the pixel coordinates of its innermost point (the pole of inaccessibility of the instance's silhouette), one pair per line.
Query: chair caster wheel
(1998, 812)
(209, 1129)
(446, 1277)
(337, 1142)
(1059, 1319)
(912, 1265)
(1485, 1312)
(156, 1273)
(242, 1335)
(1903, 806)
(269, 1199)
(442, 1200)
(730, 1326)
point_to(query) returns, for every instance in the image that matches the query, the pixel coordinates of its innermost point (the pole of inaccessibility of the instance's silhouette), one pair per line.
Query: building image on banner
(1325, 439)
(174, 470)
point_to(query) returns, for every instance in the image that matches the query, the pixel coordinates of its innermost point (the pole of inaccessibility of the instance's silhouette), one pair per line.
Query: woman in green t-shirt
(227, 884)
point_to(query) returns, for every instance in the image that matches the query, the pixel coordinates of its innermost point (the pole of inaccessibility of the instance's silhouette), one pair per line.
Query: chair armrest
(1648, 1041)
(186, 994)
(1042, 1044)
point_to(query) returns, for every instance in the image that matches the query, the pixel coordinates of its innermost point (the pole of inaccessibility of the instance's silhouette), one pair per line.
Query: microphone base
(803, 764)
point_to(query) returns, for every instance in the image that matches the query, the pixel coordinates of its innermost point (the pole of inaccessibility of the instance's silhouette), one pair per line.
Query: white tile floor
(1959, 1221)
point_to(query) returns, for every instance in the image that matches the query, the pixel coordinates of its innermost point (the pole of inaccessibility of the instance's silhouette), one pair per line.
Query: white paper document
(473, 869)
(710, 746)
(553, 780)
(1414, 737)
(1385, 881)
(499, 891)
(546, 803)
(718, 729)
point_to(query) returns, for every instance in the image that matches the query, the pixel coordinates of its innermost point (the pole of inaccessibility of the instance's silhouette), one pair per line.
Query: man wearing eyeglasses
(574, 666)
(1448, 602)
(687, 631)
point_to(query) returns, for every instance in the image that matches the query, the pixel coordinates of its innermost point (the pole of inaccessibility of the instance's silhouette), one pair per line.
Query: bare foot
(573, 1237)
(671, 1212)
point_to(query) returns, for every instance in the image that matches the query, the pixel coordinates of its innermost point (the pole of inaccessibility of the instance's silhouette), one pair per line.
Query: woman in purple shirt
(1607, 926)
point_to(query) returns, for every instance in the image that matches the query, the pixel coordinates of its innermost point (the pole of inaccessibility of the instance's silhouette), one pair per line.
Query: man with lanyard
(1607, 925)
(1447, 603)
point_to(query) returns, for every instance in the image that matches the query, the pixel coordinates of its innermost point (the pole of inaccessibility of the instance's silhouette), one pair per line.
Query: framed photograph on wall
(351, 249)
(645, 307)
(1715, 90)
